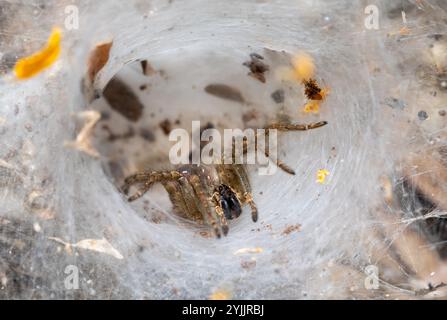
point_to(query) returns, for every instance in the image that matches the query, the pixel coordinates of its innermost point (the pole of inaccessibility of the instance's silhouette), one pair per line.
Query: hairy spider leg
(223, 221)
(280, 164)
(290, 127)
(183, 198)
(207, 210)
(148, 179)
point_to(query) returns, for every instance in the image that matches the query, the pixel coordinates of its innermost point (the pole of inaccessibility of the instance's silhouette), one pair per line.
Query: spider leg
(254, 210)
(211, 219)
(289, 127)
(220, 213)
(148, 178)
(135, 178)
(278, 162)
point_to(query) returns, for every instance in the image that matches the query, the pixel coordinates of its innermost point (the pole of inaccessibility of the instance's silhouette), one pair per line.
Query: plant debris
(98, 245)
(224, 91)
(123, 100)
(248, 250)
(291, 228)
(312, 90)
(98, 59)
(257, 67)
(83, 139)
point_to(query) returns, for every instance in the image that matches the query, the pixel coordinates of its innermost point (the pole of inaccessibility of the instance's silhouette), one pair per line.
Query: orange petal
(98, 59)
(30, 66)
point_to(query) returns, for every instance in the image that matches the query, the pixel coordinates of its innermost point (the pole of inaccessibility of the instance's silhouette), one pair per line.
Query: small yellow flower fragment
(30, 66)
(321, 175)
(313, 106)
(304, 66)
(303, 69)
(220, 294)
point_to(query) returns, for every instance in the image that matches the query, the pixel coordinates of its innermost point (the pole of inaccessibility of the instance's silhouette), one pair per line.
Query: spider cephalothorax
(229, 202)
(209, 194)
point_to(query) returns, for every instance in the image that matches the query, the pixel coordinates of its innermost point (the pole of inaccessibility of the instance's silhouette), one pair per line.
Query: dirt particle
(29, 127)
(7, 62)
(143, 87)
(122, 99)
(248, 264)
(166, 126)
(148, 70)
(422, 115)
(224, 91)
(278, 96)
(291, 228)
(333, 152)
(163, 74)
(147, 135)
(395, 103)
(442, 113)
(436, 36)
(249, 116)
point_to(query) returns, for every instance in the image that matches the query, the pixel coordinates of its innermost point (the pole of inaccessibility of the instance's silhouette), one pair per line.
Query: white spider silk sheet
(53, 198)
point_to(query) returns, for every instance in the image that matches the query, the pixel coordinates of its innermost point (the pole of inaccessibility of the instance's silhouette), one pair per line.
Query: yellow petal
(321, 175)
(313, 106)
(220, 294)
(304, 66)
(30, 66)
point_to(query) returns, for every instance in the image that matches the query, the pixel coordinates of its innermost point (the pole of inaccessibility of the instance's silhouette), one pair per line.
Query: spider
(210, 194)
